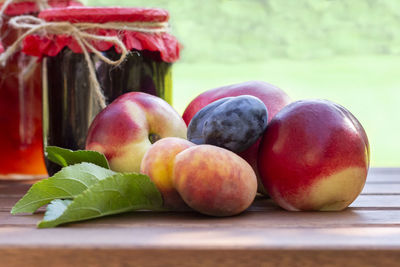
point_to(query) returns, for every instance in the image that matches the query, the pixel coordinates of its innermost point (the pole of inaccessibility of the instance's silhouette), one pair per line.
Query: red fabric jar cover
(52, 44)
(29, 7)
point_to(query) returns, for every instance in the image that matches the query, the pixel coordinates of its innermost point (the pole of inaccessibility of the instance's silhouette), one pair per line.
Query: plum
(234, 123)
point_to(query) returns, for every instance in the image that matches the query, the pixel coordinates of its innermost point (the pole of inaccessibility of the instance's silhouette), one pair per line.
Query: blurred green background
(347, 51)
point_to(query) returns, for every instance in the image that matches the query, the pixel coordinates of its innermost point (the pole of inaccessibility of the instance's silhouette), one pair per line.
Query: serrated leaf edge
(14, 211)
(44, 224)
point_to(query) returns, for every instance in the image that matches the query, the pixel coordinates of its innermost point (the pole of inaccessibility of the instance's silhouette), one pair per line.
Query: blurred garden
(345, 51)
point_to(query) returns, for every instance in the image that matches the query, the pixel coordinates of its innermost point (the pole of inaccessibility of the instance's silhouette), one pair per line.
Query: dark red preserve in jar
(70, 99)
(21, 154)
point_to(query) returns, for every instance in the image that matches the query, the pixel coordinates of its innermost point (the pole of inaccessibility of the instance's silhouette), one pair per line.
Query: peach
(214, 181)
(314, 155)
(273, 97)
(127, 128)
(158, 164)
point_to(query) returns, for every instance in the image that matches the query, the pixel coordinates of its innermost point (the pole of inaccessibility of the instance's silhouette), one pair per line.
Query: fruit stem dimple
(154, 138)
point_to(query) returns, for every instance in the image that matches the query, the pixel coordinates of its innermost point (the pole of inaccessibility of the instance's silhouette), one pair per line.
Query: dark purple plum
(234, 123)
(195, 127)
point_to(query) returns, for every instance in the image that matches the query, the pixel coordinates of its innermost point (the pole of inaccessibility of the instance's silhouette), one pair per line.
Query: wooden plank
(15, 187)
(384, 170)
(196, 257)
(203, 238)
(7, 203)
(369, 188)
(189, 257)
(274, 218)
(7, 200)
(377, 201)
(381, 188)
(384, 175)
(376, 176)
(389, 202)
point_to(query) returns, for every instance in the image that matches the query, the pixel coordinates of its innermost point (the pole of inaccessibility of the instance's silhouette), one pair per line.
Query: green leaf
(116, 194)
(66, 157)
(66, 184)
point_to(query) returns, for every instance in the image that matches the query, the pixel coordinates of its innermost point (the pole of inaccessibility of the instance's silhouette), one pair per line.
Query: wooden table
(366, 234)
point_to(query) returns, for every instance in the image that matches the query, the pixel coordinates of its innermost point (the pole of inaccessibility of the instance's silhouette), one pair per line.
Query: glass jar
(21, 154)
(69, 102)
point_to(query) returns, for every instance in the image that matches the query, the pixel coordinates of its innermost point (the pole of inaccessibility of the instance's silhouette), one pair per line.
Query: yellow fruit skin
(158, 163)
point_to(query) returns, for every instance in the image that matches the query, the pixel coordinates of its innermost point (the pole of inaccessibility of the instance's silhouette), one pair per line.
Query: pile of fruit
(307, 155)
(231, 143)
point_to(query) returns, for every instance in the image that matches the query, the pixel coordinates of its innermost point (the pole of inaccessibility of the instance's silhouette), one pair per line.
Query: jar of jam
(21, 154)
(69, 101)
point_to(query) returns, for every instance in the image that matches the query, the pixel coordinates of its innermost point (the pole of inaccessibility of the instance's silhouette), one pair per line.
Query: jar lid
(27, 7)
(105, 14)
(50, 44)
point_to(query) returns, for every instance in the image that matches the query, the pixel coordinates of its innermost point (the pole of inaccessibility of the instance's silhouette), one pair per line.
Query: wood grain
(276, 219)
(198, 257)
(366, 234)
(177, 237)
